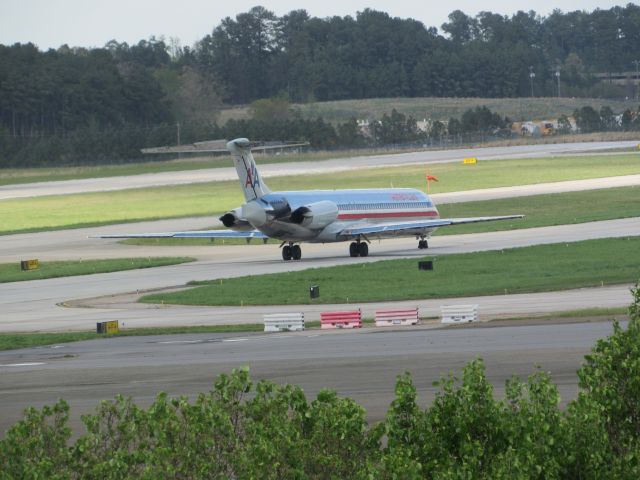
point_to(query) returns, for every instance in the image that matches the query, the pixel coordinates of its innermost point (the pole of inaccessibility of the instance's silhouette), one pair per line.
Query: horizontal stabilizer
(219, 146)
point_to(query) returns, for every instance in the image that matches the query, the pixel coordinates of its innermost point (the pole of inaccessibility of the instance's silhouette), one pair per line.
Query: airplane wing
(193, 234)
(418, 225)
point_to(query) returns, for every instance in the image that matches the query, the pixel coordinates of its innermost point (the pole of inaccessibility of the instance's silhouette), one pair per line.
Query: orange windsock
(431, 178)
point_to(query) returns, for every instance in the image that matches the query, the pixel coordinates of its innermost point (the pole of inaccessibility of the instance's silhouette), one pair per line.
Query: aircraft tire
(363, 249)
(296, 252)
(353, 249)
(286, 252)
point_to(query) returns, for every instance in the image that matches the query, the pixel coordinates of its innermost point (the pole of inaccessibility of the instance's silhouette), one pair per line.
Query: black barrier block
(427, 265)
(101, 327)
(314, 291)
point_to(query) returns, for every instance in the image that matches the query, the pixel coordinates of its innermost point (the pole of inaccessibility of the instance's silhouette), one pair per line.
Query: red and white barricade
(348, 319)
(398, 316)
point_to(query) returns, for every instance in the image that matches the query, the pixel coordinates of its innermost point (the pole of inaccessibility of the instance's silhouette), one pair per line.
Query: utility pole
(531, 77)
(178, 132)
(558, 77)
(636, 62)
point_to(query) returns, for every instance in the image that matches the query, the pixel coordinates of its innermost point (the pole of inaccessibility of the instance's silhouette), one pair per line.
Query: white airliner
(322, 216)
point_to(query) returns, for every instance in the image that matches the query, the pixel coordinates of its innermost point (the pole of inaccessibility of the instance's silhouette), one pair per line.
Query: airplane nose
(254, 214)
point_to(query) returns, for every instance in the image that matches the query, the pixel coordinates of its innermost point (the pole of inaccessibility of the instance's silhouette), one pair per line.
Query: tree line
(259, 54)
(269, 431)
(96, 145)
(70, 105)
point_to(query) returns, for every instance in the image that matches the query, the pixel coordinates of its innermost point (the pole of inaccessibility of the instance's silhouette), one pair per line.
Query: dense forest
(76, 104)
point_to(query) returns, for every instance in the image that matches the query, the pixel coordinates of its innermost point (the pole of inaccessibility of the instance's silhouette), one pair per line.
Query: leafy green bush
(604, 420)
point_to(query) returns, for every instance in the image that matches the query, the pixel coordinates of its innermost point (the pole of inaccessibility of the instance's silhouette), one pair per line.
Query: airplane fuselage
(354, 207)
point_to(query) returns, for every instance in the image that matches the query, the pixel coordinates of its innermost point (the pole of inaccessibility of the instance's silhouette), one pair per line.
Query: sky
(92, 23)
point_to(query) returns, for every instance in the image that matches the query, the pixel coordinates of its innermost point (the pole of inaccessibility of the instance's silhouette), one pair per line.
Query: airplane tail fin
(252, 185)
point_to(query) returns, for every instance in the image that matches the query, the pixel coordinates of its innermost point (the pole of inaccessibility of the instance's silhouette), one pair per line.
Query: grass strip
(10, 272)
(15, 176)
(12, 341)
(520, 270)
(103, 208)
(613, 313)
(546, 210)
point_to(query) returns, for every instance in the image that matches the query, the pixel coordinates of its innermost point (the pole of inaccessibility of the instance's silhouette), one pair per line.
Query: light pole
(531, 77)
(558, 77)
(636, 62)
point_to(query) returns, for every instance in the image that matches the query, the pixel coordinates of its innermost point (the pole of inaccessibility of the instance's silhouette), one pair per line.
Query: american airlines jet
(322, 216)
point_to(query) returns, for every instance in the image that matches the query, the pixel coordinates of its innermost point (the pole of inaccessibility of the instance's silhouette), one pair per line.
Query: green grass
(10, 272)
(14, 176)
(531, 269)
(546, 210)
(11, 341)
(613, 313)
(92, 209)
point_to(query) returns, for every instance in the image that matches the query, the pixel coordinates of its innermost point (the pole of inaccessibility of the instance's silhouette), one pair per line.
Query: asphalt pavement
(359, 364)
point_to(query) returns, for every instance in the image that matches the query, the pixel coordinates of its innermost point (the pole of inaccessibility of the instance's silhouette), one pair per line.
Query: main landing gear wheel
(358, 249)
(291, 252)
(423, 244)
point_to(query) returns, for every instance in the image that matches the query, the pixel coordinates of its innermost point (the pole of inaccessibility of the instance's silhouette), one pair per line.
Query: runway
(360, 364)
(301, 168)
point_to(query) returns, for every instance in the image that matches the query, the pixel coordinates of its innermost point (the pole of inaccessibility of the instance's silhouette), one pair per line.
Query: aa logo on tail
(252, 177)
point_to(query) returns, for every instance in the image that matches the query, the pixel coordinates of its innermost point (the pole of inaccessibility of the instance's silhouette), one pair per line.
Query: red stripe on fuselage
(358, 216)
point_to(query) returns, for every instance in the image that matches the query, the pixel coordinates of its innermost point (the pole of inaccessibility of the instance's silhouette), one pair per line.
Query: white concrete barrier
(284, 322)
(459, 313)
